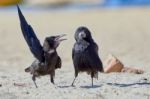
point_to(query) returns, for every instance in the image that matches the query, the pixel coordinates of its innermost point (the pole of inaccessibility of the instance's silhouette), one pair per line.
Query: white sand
(124, 33)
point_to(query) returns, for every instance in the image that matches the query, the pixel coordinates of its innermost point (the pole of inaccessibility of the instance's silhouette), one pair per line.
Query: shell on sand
(113, 65)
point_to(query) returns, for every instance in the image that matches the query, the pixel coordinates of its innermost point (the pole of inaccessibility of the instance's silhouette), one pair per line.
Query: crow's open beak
(59, 38)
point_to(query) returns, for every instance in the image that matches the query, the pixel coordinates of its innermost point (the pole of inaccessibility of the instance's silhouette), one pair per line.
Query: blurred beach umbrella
(9, 2)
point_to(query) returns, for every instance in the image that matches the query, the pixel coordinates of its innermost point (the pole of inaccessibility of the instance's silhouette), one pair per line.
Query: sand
(123, 32)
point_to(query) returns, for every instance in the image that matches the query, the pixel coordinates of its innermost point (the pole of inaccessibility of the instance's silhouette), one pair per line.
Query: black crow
(47, 59)
(85, 54)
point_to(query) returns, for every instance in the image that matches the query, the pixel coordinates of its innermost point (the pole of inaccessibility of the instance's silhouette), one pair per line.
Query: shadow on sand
(127, 85)
(88, 87)
(66, 86)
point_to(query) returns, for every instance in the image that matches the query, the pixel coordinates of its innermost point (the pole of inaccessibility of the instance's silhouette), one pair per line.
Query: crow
(47, 59)
(85, 54)
(52, 60)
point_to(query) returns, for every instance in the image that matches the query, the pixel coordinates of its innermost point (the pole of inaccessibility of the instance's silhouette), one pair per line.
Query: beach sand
(124, 33)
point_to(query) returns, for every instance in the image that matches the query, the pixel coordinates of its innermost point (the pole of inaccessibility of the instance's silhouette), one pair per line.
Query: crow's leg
(34, 78)
(52, 74)
(92, 75)
(76, 74)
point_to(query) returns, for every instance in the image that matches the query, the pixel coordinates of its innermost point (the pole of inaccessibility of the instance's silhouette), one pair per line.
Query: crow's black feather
(31, 38)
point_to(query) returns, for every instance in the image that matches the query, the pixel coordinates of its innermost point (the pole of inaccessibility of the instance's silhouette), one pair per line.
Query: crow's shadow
(66, 86)
(128, 85)
(88, 87)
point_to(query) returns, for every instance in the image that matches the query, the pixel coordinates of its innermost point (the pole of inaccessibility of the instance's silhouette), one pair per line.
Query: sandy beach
(124, 33)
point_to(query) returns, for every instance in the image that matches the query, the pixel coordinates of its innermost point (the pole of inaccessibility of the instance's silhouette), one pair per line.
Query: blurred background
(120, 27)
(75, 2)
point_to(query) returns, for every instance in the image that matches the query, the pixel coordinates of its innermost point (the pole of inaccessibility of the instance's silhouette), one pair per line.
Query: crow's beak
(59, 38)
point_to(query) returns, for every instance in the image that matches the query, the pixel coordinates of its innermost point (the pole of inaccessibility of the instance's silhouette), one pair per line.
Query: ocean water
(115, 3)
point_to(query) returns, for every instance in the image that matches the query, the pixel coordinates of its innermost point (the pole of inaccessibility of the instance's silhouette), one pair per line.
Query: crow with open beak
(85, 54)
(47, 59)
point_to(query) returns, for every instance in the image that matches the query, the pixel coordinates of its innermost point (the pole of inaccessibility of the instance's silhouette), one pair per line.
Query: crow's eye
(82, 35)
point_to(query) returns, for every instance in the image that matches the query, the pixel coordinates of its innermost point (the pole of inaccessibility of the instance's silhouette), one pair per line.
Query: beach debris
(132, 70)
(113, 64)
(20, 84)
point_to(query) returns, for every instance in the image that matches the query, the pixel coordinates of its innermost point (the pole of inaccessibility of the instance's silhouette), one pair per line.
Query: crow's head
(53, 42)
(83, 34)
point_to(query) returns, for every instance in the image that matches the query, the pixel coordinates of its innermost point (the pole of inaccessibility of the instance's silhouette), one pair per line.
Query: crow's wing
(95, 61)
(30, 37)
(58, 64)
(93, 58)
